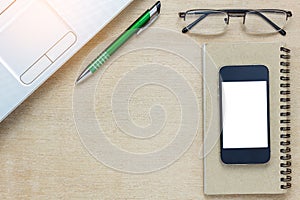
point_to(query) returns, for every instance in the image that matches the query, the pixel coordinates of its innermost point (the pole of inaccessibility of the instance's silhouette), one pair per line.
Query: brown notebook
(273, 177)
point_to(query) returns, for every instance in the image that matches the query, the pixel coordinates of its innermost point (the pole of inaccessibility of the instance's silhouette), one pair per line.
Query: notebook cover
(220, 178)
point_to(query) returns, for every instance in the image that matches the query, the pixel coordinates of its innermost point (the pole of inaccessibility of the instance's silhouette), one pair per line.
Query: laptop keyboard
(4, 4)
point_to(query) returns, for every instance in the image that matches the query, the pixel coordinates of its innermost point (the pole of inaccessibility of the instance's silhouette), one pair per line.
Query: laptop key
(60, 47)
(35, 70)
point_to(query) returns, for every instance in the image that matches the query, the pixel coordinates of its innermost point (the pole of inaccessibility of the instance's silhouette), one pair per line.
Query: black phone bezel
(238, 74)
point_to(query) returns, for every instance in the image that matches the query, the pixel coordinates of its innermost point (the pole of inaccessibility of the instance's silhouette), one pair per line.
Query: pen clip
(148, 24)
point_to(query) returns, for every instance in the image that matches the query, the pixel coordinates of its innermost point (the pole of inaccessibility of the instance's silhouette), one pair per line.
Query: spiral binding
(285, 121)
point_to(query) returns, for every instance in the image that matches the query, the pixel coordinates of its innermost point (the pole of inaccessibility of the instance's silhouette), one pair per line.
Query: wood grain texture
(42, 157)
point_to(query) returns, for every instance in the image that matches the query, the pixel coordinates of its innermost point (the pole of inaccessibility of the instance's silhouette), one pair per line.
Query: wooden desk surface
(41, 155)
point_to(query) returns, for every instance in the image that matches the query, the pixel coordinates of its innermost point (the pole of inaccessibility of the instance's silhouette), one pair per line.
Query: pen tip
(79, 80)
(84, 75)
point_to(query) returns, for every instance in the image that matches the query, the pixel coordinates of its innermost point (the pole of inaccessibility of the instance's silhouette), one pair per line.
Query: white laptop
(38, 36)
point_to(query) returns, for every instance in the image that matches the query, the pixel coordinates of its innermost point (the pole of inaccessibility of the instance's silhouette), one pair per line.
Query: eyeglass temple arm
(280, 30)
(190, 26)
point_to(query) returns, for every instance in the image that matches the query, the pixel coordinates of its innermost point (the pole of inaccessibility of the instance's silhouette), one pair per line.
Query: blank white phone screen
(245, 114)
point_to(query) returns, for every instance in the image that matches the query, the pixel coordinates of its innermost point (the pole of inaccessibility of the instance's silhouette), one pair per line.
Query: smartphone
(244, 108)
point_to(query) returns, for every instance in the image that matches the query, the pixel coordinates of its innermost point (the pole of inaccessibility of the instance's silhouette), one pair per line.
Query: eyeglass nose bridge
(235, 15)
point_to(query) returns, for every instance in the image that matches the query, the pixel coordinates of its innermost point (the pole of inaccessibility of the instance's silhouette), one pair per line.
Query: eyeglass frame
(235, 13)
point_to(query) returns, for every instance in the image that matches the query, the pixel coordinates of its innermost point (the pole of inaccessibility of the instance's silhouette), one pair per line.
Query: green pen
(139, 25)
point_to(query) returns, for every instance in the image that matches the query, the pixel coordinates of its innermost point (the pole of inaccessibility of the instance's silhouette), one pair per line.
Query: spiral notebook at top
(273, 177)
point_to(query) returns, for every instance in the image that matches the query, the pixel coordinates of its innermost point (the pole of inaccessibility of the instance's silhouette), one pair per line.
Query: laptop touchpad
(33, 40)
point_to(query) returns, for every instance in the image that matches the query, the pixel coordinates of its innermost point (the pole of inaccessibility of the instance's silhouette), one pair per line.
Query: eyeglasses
(213, 22)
